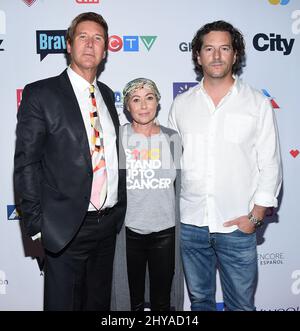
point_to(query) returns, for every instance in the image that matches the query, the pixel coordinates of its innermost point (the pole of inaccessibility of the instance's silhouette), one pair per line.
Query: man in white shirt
(231, 171)
(71, 193)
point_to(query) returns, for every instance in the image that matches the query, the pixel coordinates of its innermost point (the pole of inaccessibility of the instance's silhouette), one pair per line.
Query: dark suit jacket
(53, 170)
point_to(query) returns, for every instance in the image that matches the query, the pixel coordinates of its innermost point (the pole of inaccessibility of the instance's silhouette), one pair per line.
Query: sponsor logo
(12, 213)
(277, 2)
(294, 152)
(273, 42)
(3, 282)
(270, 258)
(19, 97)
(29, 2)
(282, 309)
(130, 43)
(118, 99)
(296, 23)
(185, 46)
(87, 2)
(2, 27)
(273, 103)
(50, 42)
(295, 288)
(181, 87)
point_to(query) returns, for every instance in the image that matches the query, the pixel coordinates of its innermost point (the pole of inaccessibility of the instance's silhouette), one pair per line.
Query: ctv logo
(130, 43)
(182, 87)
(19, 97)
(87, 2)
(12, 213)
(273, 103)
(277, 2)
(50, 42)
(2, 27)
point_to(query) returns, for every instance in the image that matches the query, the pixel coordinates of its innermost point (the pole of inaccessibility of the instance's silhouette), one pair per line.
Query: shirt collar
(235, 88)
(79, 82)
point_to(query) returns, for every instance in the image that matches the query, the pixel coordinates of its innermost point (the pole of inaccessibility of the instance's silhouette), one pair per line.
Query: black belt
(98, 213)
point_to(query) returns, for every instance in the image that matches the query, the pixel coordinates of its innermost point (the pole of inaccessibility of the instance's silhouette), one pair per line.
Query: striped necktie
(99, 185)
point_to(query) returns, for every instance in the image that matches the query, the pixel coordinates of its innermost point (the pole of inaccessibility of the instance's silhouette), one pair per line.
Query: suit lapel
(74, 116)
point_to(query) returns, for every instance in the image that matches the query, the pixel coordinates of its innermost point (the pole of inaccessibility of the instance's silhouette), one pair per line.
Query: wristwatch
(255, 221)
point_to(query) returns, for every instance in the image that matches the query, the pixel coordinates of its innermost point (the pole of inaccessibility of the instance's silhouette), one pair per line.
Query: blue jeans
(235, 256)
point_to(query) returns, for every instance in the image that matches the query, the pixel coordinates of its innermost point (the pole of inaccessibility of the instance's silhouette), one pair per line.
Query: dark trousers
(80, 276)
(158, 250)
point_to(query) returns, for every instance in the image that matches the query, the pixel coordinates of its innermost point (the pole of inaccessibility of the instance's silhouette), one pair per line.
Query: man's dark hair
(89, 16)
(237, 39)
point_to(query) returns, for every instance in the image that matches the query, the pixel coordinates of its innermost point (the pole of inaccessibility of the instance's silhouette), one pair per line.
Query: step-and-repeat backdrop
(153, 39)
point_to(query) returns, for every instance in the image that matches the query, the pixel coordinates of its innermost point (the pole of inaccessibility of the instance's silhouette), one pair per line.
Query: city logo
(2, 27)
(185, 46)
(12, 213)
(19, 97)
(50, 42)
(273, 42)
(181, 87)
(295, 288)
(296, 23)
(294, 152)
(29, 2)
(130, 43)
(273, 103)
(277, 2)
(3, 282)
(87, 2)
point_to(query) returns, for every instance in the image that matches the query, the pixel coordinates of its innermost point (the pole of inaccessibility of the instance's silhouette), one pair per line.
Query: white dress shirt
(231, 158)
(81, 89)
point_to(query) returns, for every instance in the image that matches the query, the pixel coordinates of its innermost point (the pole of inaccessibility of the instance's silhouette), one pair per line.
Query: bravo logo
(130, 43)
(50, 42)
(273, 42)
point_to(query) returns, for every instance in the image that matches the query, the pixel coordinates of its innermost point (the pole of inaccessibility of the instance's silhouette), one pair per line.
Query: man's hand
(242, 223)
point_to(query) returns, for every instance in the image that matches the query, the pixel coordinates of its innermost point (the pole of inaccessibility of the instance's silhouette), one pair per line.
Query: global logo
(277, 2)
(2, 27)
(130, 43)
(12, 213)
(273, 103)
(50, 42)
(181, 87)
(185, 46)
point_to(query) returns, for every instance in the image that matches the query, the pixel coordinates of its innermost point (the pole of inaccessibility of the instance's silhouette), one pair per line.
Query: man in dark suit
(66, 154)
